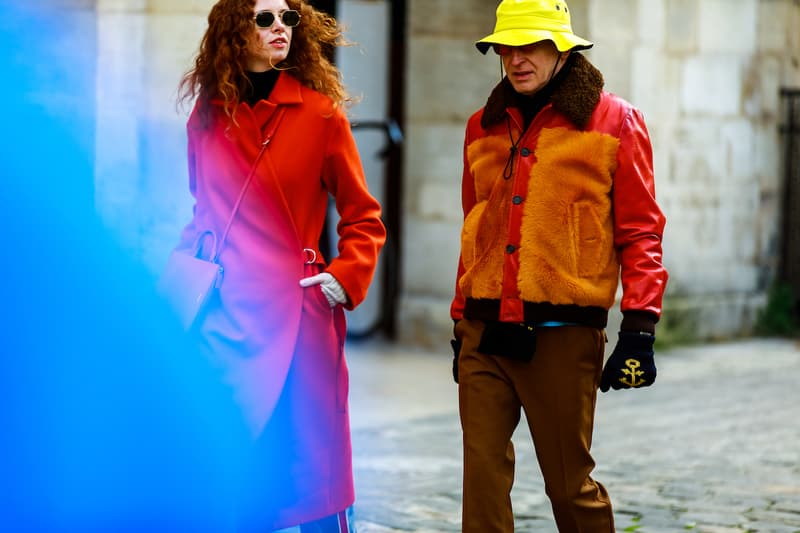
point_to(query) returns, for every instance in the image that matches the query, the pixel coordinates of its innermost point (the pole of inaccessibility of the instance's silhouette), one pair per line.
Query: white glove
(331, 288)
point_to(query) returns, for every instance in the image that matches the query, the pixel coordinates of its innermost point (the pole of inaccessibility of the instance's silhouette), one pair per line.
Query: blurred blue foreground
(109, 421)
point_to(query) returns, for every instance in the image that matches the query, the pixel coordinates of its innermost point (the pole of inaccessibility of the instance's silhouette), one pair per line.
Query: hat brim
(563, 41)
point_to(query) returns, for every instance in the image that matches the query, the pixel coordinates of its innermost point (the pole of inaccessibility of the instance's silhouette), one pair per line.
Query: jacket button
(525, 152)
(517, 200)
(510, 248)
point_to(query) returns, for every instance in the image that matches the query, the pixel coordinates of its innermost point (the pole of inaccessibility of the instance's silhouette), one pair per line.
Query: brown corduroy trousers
(557, 390)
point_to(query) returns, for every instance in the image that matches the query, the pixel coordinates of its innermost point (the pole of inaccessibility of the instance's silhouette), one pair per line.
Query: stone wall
(447, 80)
(144, 47)
(705, 73)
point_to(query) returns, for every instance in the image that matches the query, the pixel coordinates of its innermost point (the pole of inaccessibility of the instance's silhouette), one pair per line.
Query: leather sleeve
(467, 203)
(638, 220)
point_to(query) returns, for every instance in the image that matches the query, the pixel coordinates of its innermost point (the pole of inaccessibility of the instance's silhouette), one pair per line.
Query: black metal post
(394, 174)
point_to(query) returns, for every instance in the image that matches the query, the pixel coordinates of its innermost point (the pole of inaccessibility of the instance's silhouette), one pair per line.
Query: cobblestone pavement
(712, 447)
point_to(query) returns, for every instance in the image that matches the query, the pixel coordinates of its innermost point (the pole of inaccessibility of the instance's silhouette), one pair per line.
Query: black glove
(631, 364)
(456, 345)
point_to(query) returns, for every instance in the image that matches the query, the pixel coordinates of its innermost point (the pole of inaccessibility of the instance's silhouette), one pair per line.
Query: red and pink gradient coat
(273, 339)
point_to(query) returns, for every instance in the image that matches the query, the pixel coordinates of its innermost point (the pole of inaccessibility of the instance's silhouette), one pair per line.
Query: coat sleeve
(467, 203)
(360, 229)
(189, 233)
(638, 221)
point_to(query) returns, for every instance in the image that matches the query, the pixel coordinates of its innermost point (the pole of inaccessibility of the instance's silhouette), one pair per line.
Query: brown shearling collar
(576, 96)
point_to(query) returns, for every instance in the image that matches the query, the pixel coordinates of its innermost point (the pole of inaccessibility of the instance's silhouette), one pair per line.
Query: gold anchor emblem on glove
(632, 373)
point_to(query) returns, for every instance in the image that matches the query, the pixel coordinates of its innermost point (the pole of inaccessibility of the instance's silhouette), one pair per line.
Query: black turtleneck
(261, 84)
(531, 105)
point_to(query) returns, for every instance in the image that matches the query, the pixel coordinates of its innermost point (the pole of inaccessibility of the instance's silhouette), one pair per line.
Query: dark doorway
(790, 129)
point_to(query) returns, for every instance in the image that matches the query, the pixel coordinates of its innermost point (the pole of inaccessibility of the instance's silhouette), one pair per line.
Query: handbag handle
(198, 244)
(273, 123)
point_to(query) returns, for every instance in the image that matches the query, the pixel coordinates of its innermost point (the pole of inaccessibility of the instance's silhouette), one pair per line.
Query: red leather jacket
(549, 231)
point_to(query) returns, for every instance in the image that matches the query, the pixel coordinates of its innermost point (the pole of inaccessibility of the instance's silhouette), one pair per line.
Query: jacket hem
(537, 312)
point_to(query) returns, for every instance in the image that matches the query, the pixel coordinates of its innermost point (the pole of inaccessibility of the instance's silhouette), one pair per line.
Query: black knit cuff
(639, 321)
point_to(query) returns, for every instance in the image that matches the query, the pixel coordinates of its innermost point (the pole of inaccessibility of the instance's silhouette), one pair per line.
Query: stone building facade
(706, 73)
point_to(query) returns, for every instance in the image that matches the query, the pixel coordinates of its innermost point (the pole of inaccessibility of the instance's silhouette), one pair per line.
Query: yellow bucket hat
(521, 22)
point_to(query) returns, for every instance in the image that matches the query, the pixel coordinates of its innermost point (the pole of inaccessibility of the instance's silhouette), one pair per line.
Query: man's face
(530, 67)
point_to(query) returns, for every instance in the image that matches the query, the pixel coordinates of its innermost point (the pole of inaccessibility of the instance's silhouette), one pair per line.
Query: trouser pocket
(507, 339)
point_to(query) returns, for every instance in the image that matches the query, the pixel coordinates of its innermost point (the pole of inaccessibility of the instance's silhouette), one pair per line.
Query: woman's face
(268, 46)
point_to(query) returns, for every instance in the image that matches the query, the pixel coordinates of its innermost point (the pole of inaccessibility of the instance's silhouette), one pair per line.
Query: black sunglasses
(505, 50)
(265, 19)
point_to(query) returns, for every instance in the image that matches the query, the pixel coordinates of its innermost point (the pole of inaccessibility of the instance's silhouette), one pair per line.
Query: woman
(262, 83)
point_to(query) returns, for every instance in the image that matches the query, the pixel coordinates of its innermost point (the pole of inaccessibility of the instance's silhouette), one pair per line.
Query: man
(559, 202)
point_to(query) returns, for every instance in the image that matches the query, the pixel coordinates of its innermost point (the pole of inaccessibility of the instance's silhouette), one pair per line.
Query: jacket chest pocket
(590, 240)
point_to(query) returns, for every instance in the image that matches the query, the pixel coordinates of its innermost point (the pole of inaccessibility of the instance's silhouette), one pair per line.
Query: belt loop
(310, 255)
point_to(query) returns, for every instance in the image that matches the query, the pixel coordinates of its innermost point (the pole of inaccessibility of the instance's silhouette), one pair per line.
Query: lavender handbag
(188, 279)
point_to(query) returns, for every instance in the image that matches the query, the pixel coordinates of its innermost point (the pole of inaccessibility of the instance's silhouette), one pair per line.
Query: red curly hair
(219, 68)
